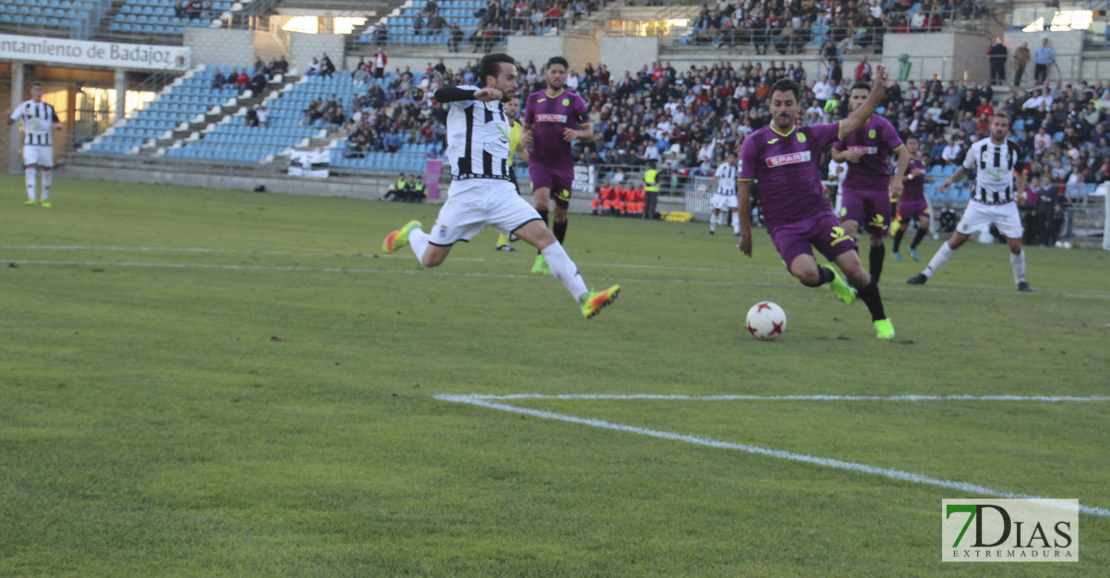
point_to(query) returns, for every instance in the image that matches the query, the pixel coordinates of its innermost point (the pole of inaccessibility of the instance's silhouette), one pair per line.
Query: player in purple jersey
(784, 159)
(912, 204)
(869, 186)
(553, 119)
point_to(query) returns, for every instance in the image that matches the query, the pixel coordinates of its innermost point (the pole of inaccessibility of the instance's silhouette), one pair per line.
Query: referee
(994, 161)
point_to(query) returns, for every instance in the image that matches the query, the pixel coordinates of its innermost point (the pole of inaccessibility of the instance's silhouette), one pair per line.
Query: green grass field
(215, 383)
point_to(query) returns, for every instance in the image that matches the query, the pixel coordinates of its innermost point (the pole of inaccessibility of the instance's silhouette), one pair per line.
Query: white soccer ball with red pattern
(766, 321)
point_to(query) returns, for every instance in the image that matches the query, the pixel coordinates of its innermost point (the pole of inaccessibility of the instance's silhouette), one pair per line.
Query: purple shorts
(821, 231)
(909, 210)
(868, 208)
(558, 180)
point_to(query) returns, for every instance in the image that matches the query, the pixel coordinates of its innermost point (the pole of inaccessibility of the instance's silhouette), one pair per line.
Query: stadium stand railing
(287, 126)
(181, 101)
(155, 17)
(400, 26)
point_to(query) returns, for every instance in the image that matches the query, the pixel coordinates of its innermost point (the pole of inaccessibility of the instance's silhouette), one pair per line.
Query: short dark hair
(860, 86)
(557, 60)
(36, 83)
(1002, 115)
(787, 85)
(912, 136)
(490, 65)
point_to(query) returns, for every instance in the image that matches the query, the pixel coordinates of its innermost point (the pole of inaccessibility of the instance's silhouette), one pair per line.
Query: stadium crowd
(788, 26)
(683, 122)
(496, 21)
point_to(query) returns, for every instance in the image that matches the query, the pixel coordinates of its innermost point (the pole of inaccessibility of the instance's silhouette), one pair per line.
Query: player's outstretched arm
(859, 118)
(456, 94)
(744, 212)
(526, 136)
(900, 173)
(958, 176)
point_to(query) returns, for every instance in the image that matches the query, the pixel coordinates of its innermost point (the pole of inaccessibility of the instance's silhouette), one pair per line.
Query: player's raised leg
(868, 291)
(563, 268)
(947, 249)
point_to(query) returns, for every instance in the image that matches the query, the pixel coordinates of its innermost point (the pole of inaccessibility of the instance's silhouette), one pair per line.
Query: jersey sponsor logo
(773, 141)
(541, 100)
(551, 118)
(566, 102)
(865, 150)
(790, 159)
(801, 137)
(871, 133)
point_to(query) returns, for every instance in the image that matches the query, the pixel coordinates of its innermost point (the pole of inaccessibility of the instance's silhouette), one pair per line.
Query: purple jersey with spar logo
(786, 167)
(875, 140)
(914, 191)
(549, 117)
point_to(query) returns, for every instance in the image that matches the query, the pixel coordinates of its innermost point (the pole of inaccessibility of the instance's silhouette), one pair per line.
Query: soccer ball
(766, 321)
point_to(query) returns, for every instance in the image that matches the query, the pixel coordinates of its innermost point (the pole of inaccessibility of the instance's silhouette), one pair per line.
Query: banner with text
(697, 198)
(90, 53)
(315, 163)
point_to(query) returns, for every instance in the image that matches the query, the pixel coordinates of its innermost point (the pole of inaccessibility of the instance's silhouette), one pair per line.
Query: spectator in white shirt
(822, 91)
(951, 152)
(572, 81)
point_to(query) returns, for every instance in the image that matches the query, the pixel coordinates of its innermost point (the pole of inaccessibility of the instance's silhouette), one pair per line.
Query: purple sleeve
(890, 136)
(839, 145)
(747, 160)
(823, 134)
(529, 112)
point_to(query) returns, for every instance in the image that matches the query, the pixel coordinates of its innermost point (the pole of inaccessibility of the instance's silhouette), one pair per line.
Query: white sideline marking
(254, 268)
(947, 288)
(593, 396)
(781, 454)
(778, 284)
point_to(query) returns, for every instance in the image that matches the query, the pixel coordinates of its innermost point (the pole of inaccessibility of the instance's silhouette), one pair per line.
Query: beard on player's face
(784, 120)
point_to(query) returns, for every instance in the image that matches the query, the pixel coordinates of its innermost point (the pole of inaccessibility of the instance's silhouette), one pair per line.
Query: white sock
(564, 269)
(736, 223)
(712, 223)
(943, 255)
(47, 178)
(1017, 263)
(29, 175)
(418, 240)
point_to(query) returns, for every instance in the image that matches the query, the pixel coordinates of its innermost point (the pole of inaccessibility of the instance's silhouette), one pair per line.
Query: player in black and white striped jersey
(724, 196)
(40, 120)
(994, 160)
(482, 192)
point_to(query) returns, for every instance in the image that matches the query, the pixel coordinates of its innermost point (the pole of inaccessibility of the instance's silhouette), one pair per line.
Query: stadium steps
(226, 111)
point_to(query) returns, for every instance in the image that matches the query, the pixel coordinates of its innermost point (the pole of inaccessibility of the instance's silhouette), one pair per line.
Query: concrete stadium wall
(628, 53)
(303, 47)
(217, 46)
(534, 49)
(579, 52)
(948, 54)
